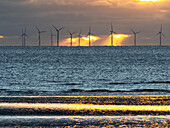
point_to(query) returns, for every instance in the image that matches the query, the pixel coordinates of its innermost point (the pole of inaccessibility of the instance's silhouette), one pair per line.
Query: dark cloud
(78, 14)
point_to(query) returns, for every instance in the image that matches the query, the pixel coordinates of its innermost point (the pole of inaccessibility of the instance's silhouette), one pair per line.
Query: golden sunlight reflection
(84, 41)
(117, 40)
(80, 107)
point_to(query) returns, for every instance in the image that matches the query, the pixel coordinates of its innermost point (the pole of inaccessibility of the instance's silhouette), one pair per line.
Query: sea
(84, 71)
(81, 71)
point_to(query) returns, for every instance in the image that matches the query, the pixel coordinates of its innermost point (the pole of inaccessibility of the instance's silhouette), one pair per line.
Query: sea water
(81, 71)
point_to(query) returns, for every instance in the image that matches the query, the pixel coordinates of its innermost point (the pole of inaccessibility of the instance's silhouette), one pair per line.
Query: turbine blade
(161, 28)
(55, 28)
(92, 34)
(138, 32)
(111, 27)
(43, 31)
(73, 33)
(27, 36)
(37, 29)
(89, 28)
(133, 31)
(163, 35)
(69, 32)
(61, 29)
(114, 32)
(25, 30)
(80, 32)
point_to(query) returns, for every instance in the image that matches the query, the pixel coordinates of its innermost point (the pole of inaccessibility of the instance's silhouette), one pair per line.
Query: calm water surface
(64, 71)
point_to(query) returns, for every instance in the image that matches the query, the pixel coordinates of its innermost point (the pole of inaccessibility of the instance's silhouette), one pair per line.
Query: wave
(3, 89)
(19, 93)
(115, 91)
(159, 82)
(142, 82)
(71, 84)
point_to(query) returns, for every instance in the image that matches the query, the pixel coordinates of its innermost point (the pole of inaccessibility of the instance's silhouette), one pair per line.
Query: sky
(75, 15)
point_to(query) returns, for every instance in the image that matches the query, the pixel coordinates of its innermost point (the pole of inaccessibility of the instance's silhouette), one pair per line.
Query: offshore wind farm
(90, 37)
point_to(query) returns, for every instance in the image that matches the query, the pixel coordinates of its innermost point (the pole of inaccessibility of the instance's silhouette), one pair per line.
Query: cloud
(78, 14)
(1, 37)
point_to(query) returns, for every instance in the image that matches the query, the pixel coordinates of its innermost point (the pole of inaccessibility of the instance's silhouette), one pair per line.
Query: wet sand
(85, 105)
(85, 111)
(85, 121)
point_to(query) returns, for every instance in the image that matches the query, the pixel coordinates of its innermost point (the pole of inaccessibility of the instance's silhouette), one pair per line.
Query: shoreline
(84, 121)
(95, 100)
(85, 105)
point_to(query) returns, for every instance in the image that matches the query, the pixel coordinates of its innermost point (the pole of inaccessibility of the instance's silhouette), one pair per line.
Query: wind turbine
(39, 36)
(135, 35)
(89, 34)
(24, 35)
(161, 34)
(58, 34)
(79, 36)
(71, 38)
(51, 37)
(111, 33)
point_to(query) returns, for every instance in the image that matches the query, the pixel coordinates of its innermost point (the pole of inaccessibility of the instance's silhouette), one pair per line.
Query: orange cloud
(117, 40)
(96, 40)
(1, 37)
(83, 42)
(149, 0)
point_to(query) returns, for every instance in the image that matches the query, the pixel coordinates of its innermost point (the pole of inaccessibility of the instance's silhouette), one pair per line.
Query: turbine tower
(23, 36)
(39, 36)
(161, 34)
(58, 34)
(79, 36)
(111, 33)
(71, 38)
(89, 34)
(135, 35)
(51, 37)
